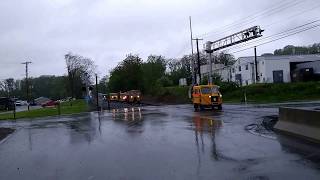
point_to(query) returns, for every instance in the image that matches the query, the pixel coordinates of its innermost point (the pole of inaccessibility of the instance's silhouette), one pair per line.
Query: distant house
(271, 69)
(182, 82)
(222, 70)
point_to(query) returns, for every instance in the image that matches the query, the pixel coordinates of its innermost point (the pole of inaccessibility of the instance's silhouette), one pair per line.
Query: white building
(223, 71)
(271, 69)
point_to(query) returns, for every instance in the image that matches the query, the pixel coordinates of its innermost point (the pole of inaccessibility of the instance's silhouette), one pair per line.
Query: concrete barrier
(302, 122)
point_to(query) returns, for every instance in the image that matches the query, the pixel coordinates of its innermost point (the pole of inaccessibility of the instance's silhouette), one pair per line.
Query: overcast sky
(43, 31)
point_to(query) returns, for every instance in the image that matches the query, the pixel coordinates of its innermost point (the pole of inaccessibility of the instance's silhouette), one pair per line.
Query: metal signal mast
(236, 38)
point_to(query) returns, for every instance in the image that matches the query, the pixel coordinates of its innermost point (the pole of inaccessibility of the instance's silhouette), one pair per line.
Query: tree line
(156, 72)
(132, 72)
(298, 50)
(80, 73)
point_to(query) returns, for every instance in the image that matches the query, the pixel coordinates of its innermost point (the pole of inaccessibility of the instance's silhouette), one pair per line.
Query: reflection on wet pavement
(167, 142)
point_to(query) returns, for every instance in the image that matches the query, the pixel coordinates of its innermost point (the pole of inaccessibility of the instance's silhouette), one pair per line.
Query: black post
(27, 86)
(59, 108)
(97, 98)
(108, 100)
(14, 109)
(256, 64)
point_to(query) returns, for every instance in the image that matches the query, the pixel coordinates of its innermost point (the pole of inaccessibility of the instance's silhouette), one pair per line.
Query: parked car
(18, 103)
(50, 104)
(32, 103)
(21, 103)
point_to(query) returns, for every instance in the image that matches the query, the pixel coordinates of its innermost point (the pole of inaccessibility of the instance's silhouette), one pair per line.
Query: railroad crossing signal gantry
(236, 38)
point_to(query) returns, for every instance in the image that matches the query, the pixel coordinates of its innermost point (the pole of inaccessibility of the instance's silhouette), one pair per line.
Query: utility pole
(209, 51)
(27, 83)
(193, 74)
(198, 58)
(256, 64)
(97, 93)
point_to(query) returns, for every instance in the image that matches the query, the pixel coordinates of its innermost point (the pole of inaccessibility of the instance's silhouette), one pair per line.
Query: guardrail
(301, 122)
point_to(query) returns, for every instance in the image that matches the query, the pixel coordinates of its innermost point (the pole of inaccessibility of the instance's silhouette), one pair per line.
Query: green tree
(292, 50)
(80, 72)
(225, 59)
(128, 75)
(153, 70)
(103, 83)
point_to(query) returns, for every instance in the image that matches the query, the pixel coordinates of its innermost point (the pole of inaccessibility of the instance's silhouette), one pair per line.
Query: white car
(18, 103)
(21, 103)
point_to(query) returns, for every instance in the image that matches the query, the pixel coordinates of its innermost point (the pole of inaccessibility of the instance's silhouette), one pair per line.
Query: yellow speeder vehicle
(123, 97)
(206, 96)
(113, 96)
(134, 96)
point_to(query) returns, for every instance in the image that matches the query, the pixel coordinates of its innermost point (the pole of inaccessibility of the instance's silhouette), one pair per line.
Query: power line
(270, 11)
(303, 30)
(250, 21)
(235, 22)
(295, 15)
(253, 17)
(274, 35)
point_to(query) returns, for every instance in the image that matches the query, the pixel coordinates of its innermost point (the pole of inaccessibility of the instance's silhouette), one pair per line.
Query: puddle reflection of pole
(195, 122)
(30, 138)
(126, 114)
(201, 136)
(99, 119)
(135, 119)
(132, 114)
(213, 139)
(140, 115)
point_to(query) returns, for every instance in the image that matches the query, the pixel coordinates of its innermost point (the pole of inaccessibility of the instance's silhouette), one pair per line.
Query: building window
(239, 68)
(247, 67)
(233, 71)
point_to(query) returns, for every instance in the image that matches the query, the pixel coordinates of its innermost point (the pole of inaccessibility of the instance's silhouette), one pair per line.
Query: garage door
(278, 76)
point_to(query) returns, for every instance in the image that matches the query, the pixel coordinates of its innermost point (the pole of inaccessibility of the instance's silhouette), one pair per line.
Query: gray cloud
(44, 30)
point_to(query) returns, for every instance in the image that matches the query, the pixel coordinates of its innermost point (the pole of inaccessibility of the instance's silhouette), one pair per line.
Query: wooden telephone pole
(27, 82)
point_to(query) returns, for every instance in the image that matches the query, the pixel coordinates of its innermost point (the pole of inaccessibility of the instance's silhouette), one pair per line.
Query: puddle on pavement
(306, 150)
(205, 124)
(129, 115)
(4, 132)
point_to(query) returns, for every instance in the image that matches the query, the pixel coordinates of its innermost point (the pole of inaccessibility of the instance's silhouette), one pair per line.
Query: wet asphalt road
(163, 142)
